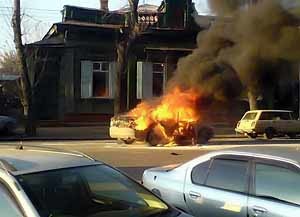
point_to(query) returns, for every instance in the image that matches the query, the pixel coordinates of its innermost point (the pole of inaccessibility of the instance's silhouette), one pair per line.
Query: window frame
(110, 77)
(13, 197)
(247, 159)
(164, 74)
(274, 163)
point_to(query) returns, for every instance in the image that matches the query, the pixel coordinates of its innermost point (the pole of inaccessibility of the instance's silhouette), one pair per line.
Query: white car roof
(23, 159)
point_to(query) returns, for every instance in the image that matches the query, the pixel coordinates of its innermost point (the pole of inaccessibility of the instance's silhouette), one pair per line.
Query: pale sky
(39, 15)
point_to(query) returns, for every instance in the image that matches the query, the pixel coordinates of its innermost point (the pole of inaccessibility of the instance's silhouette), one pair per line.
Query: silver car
(241, 182)
(39, 182)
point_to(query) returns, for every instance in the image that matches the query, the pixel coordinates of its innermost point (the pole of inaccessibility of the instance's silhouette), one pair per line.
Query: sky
(39, 15)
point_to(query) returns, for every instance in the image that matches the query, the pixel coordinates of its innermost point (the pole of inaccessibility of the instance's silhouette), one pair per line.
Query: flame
(176, 106)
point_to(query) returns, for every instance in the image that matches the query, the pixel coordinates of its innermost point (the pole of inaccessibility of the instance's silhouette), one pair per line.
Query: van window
(275, 116)
(250, 116)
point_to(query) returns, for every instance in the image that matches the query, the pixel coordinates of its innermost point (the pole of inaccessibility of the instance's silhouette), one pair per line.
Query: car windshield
(89, 191)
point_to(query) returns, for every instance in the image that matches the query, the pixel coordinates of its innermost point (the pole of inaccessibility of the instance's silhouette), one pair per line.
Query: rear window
(275, 116)
(250, 116)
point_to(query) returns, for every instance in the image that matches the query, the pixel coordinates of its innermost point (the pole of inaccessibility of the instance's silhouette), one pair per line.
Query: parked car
(39, 182)
(122, 127)
(269, 123)
(7, 125)
(241, 182)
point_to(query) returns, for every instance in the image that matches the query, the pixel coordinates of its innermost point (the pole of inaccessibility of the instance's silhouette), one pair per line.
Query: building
(75, 63)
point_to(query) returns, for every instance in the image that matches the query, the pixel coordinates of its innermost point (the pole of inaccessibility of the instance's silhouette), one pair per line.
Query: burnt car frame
(123, 127)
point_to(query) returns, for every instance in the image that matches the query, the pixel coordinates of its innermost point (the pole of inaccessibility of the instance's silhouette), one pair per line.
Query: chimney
(104, 5)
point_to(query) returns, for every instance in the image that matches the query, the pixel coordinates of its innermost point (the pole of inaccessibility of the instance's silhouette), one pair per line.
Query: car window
(285, 116)
(250, 116)
(8, 207)
(275, 116)
(199, 173)
(277, 182)
(228, 174)
(88, 191)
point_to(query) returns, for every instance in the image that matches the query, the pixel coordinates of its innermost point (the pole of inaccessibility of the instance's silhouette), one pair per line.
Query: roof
(285, 152)
(25, 159)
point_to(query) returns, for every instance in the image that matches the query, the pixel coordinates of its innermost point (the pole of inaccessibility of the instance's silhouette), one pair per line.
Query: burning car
(166, 121)
(124, 127)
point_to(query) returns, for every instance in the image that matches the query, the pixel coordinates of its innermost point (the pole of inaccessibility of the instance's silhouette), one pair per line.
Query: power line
(35, 9)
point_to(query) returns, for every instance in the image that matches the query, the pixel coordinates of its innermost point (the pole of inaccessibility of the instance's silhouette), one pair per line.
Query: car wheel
(152, 138)
(292, 135)
(252, 135)
(128, 141)
(204, 134)
(269, 133)
(7, 129)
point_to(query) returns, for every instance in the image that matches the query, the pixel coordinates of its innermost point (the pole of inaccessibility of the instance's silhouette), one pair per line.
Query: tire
(252, 135)
(7, 129)
(152, 138)
(204, 134)
(269, 133)
(128, 141)
(292, 135)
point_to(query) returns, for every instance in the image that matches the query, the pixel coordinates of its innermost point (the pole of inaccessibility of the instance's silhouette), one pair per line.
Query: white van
(269, 123)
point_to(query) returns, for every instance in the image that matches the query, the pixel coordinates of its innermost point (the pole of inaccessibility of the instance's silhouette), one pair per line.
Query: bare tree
(124, 43)
(9, 63)
(27, 96)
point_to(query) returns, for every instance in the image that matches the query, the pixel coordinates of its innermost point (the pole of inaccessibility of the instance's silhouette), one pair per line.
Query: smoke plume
(245, 51)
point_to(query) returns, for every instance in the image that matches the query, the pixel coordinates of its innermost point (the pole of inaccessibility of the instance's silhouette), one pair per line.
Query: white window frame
(164, 76)
(144, 88)
(87, 67)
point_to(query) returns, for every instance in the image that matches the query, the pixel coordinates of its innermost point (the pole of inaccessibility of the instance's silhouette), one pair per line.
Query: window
(88, 191)
(228, 174)
(277, 182)
(199, 173)
(151, 80)
(96, 79)
(250, 116)
(158, 79)
(8, 207)
(275, 116)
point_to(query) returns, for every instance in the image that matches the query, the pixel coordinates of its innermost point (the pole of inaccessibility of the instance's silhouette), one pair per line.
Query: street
(134, 159)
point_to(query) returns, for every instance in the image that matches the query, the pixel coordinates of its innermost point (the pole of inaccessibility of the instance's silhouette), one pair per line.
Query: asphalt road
(134, 159)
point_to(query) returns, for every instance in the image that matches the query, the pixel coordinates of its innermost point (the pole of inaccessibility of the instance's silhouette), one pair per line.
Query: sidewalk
(89, 133)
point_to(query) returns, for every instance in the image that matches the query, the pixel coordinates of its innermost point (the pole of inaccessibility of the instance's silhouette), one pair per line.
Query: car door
(8, 206)
(275, 190)
(218, 188)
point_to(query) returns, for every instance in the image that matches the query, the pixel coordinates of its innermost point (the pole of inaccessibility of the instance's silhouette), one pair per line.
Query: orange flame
(177, 105)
